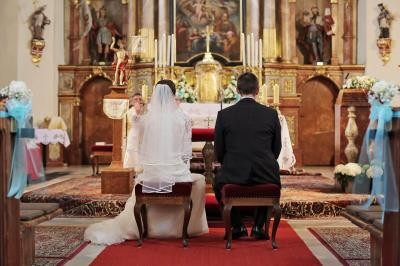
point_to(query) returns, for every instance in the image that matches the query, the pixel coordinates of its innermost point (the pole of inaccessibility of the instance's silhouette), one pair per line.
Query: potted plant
(345, 175)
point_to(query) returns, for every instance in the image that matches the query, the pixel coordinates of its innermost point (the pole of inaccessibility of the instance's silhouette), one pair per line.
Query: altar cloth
(51, 136)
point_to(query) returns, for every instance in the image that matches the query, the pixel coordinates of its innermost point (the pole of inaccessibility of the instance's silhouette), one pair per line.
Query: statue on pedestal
(120, 62)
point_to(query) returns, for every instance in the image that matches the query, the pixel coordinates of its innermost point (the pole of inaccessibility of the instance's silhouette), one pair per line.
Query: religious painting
(100, 21)
(315, 28)
(223, 19)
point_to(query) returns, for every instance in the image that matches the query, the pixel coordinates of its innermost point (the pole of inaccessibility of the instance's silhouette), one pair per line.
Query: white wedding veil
(164, 149)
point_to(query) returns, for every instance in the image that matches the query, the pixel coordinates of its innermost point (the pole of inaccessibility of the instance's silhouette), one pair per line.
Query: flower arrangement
(184, 91)
(347, 173)
(383, 92)
(18, 91)
(364, 82)
(230, 94)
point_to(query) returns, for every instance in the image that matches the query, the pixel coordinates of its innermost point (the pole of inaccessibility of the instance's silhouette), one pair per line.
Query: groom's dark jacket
(247, 144)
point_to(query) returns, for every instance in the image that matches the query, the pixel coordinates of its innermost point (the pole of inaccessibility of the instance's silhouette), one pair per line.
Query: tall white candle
(255, 53)
(276, 93)
(169, 50)
(243, 49)
(253, 58)
(173, 50)
(260, 54)
(160, 55)
(164, 48)
(155, 54)
(248, 50)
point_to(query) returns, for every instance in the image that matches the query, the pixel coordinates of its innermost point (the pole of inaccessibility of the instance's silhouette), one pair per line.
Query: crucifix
(208, 120)
(207, 39)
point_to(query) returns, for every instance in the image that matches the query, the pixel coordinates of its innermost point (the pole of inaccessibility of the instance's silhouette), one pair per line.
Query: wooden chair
(257, 195)
(98, 151)
(180, 195)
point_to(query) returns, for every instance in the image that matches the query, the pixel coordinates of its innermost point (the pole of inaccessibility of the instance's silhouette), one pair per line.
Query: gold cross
(207, 39)
(208, 120)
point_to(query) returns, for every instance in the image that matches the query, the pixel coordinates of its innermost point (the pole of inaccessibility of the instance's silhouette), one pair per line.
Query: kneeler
(255, 195)
(180, 195)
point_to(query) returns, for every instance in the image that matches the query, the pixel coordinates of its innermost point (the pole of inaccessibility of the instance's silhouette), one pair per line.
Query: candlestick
(276, 93)
(260, 53)
(243, 49)
(248, 50)
(173, 57)
(169, 50)
(155, 54)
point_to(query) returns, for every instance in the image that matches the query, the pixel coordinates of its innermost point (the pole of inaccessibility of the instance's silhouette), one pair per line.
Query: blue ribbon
(20, 111)
(382, 114)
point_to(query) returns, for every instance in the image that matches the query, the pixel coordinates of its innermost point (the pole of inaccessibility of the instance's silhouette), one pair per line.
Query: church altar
(52, 139)
(204, 116)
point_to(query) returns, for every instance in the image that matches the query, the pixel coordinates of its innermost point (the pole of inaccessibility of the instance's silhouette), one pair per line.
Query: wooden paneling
(9, 207)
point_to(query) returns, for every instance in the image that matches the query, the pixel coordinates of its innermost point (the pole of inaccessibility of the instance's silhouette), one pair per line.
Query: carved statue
(38, 21)
(120, 62)
(384, 21)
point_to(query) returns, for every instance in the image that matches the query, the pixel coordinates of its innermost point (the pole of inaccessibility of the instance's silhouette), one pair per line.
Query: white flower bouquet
(347, 173)
(359, 82)
(383, 92)
(185, 92)
(230, 94)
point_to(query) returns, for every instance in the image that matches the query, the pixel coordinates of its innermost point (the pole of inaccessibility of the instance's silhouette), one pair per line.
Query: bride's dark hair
(170, 84)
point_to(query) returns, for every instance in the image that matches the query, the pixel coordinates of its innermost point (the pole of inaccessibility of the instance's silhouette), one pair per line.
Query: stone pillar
(163, 18)
(292, 27)
(348, 33)
(334, 11)
(285, 23)
(269, 31)
(253, 14)
(132, 17)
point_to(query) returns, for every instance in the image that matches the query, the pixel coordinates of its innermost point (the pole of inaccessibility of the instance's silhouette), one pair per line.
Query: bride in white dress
(164, 155)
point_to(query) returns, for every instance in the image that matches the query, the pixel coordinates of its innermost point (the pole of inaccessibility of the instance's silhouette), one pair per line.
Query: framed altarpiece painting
(222, 18)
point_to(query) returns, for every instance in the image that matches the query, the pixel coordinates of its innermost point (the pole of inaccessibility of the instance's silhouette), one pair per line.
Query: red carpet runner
(210, 250)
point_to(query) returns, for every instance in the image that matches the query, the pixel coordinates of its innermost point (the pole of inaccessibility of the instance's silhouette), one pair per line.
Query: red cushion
(255, 191)
(202, 134)
(183, 189)
(106, 147)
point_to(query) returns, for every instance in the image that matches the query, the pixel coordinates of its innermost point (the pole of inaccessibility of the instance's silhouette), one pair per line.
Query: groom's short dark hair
(170, 84)
(247, 83)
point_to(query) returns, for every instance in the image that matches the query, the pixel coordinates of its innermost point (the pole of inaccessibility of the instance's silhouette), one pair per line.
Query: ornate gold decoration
(37, 47)
(77, 101)
(291, 126)
(288, 86)
(334, 1)
(384, 45)
(351, 133)
(269, 36)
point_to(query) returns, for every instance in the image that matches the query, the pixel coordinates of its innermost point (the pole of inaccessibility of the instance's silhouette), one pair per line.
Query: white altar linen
(51, 136)
(204, 115)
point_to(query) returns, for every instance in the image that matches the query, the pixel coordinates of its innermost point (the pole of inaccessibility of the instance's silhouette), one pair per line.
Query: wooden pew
(9, 207)
(385, 238)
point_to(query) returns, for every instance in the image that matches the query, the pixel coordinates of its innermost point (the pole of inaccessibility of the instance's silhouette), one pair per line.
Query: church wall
(9, 36)
(368, 52)
(41, 79)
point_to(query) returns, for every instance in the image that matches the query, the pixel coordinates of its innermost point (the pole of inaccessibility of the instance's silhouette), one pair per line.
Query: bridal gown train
(163, 221)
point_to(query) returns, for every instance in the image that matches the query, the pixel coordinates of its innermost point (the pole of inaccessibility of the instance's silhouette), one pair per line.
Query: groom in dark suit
(247, 144)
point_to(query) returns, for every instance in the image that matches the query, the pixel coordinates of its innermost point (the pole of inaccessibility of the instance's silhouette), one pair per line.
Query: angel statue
(38, 21)
(120, 61)
(384, 21)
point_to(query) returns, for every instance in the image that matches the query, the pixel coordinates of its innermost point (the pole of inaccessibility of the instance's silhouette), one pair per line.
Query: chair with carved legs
(180, 195)
(257, 195)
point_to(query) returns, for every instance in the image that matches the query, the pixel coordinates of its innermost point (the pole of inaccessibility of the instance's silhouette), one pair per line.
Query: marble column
(74, 38)
(292, 30)
(334, 12)
(132, 17)
(348, 33)
(269, 31)
(285, 23)
(147, 14)
(163, 18)
(253, 15)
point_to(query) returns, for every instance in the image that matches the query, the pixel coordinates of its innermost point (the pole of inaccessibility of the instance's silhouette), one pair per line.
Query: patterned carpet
(302, 196)
(351, 245)
(54, 245)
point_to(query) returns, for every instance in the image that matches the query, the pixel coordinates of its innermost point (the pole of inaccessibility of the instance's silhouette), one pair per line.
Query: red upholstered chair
(99, 151)
(257, 195)
(180, 195)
